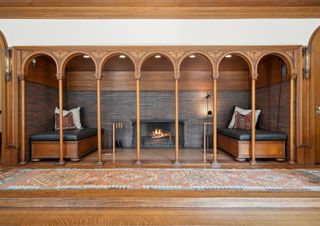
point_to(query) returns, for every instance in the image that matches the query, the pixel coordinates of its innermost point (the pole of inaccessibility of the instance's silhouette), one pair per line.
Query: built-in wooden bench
(238, 142)
(77, 143)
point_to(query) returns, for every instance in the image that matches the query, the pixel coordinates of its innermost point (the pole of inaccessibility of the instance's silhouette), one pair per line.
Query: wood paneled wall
(157, 80)
(270, 71)
(42, 72)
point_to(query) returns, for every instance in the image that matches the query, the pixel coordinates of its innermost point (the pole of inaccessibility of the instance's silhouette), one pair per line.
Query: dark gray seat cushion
(245, 135)
(68, 135)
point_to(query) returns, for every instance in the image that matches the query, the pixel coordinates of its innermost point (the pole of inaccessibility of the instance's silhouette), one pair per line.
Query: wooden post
(176, 162)
(253, 118)
(138, 120)
(23, 122)
(292, 158)
(214, 124)
(61, 160)
(100, 162)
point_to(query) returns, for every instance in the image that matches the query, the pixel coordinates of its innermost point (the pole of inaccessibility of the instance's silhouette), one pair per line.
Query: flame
(157, 133)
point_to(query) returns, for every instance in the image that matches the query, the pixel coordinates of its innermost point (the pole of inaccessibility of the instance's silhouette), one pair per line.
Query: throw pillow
(243, 112)
(75, 114)
(242, 121)
(67, 121)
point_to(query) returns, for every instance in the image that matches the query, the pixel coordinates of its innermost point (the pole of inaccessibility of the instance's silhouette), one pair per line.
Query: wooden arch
(244, 56)
(196, 52)
(69, 56)
(3, 41)
(6, 114)
(33, 55)
(105, 58)
(312, 111)
(281, 55)
(148, 55)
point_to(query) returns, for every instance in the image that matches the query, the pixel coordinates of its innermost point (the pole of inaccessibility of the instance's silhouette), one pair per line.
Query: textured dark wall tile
(274, 102)
(40, 105)
(121, 107)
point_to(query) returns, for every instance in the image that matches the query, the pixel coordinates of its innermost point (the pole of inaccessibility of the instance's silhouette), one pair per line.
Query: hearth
(158, 133)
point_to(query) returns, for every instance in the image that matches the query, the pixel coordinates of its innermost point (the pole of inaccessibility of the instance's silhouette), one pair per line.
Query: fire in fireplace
(158, 134)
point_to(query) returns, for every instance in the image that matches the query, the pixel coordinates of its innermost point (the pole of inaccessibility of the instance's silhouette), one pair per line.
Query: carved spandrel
(137, 55)
(98, 55)
(60, 54)
(176, 55)
(216, 54)
(290, 54)
(24, 54)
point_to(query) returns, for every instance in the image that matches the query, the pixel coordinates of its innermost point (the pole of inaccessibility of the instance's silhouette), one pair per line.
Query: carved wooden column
(253, 119)
(100, 162)
(23, 122)
(292, 144)
(138, 119)
(176, 162)
(214, 124)
(61, 155)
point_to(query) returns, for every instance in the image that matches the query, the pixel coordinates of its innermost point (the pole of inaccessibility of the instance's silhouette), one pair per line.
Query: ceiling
(160, 9)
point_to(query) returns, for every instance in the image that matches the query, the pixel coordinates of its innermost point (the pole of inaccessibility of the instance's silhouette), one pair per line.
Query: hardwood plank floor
(159, 216)
(162, 158)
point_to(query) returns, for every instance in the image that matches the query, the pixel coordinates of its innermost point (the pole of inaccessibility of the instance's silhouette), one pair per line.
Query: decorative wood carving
(61, 55)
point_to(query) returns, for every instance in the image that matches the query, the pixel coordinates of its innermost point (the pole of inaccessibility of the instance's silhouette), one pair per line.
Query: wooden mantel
(164, 9)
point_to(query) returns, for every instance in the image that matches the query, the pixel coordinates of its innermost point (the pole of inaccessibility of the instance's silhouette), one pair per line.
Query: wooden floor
(150, 207)
(122, 207)
(162, 157)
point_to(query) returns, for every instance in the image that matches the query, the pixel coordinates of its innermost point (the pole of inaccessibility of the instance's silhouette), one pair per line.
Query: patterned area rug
(162, 179)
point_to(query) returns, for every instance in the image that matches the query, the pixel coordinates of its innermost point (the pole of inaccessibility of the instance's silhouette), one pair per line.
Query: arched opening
(273, 95)
(233, 93)
(79, 98)
(118, 106)
(195, 105)
(3, 118)
(41, 99)
(157, 125)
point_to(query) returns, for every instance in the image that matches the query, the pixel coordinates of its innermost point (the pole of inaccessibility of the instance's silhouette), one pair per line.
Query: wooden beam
(23, 122)
(253, 118)
(61, 160)
(102, 12)
(100, 162)
(138, 120)
(176, 162)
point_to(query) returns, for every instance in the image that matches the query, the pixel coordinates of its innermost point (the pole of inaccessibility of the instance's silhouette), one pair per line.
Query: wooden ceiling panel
(162, 3)
(160, 9)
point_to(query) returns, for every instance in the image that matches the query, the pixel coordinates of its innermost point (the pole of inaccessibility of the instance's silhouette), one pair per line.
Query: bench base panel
(73, 150)
(241, 149)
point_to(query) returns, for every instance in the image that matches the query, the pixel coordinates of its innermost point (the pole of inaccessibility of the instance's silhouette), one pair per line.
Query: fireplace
(158, 133)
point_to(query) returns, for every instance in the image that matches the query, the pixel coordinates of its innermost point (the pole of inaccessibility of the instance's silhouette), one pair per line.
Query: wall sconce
(306, 54)
(8, 65)
(209, 112)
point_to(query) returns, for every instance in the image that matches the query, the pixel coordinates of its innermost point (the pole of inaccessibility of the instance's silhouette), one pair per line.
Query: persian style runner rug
(162, 179)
